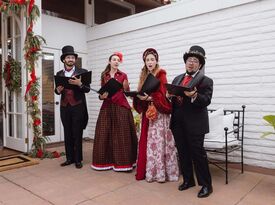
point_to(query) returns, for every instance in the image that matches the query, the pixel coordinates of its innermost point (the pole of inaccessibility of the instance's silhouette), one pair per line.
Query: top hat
(150, 51)
(197, 52)
(67, 50)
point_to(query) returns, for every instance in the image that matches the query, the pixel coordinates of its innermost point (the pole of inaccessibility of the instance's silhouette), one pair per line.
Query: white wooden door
(14, 120)
(51, 120)
(51, 123)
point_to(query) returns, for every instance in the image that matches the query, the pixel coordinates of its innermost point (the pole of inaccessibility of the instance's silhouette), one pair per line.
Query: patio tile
(57, 194)
(48, 183)
(89, 202)
(15, 173)
(13, 194)
(2, 180)
(263, 193)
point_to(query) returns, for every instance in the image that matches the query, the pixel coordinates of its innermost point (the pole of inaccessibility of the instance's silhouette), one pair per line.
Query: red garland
(20, 2)
(31, 50)
(30, 6)
(39, 153)
(29, 54)
(56, 154)
(30, 27)
(33, 79)
(34, 98)
(37, 122)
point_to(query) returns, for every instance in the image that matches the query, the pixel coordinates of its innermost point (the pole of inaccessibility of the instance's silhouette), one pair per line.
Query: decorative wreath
(12, 74)
(32, 52)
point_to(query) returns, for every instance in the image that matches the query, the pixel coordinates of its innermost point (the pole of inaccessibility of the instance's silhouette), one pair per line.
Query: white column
(89, 12)
(37, 29)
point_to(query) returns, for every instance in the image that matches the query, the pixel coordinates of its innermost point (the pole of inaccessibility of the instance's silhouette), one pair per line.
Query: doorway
(50, 113)
(13, 134)
(51, 122)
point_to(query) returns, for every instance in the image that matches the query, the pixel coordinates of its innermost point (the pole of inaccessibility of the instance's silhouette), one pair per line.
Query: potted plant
(270, 119)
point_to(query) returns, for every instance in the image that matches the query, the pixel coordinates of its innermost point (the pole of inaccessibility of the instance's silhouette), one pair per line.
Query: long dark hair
(107, 69)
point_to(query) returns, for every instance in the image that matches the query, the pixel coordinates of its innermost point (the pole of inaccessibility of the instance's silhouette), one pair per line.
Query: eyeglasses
(193, 60)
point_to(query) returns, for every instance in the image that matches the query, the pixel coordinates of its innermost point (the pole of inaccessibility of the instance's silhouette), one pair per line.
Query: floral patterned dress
(160, 163)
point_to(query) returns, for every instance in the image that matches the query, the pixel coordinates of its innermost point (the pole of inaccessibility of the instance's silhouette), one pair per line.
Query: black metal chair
(227, 148)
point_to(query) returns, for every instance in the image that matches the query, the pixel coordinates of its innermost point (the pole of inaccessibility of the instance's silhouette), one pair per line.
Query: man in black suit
(73, 108)
(189, 122)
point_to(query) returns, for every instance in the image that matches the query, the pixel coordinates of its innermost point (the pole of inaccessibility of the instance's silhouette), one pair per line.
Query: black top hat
(197, 52)
(67, 50)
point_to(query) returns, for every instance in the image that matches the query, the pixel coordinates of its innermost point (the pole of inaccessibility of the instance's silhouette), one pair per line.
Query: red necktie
(186, 80)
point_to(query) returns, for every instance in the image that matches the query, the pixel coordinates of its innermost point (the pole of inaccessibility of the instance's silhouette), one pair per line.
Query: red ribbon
(39, 153)
(30, 27)
(33, 79)
(21, 2)
(30, 6)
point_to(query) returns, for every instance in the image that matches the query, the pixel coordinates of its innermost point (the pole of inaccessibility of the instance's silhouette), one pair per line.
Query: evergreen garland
(32, 49)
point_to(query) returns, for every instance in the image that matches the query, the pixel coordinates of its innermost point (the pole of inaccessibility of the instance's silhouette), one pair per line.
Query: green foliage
(270, 119)
(12, 74)
(136, 120)
(8, 7)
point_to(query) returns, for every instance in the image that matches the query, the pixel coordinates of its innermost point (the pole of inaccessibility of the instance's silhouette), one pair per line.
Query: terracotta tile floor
(48, 183)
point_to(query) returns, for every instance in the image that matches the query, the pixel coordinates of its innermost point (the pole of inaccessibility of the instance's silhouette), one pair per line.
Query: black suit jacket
(193, 116)
(79, 92)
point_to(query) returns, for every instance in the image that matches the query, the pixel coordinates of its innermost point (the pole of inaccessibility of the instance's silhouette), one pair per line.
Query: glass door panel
(14, 133)
(48, 95)
(51, 124)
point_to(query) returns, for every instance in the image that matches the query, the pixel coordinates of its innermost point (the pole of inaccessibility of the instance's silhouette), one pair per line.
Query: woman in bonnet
(157, 159)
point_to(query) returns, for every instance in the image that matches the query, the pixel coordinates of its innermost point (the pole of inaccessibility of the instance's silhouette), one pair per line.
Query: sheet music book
(132, 93)
(177, 89)
(112, 86)
(150, 85)
(86, 79)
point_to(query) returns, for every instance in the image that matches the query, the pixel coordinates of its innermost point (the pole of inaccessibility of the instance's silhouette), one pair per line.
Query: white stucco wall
(239, 39)
(58, 33)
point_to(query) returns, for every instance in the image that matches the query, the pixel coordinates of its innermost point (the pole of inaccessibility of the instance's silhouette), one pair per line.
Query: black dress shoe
(66, 163)
(78, 165)
(186, 185)
(205, 191)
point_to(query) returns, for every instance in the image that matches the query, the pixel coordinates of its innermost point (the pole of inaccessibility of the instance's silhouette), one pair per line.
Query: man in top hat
(73, 108)
(189, 122)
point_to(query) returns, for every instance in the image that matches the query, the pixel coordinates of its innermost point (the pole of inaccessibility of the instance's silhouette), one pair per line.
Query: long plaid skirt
(115, 143)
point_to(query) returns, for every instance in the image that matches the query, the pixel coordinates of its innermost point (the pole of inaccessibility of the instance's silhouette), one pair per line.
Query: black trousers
(72, 118)
(191, 152)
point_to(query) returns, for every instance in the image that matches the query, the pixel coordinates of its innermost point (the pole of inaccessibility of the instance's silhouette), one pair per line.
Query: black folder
(86, 79)
(177, 89)
(131, 93)
(112, 86)
(150, 85)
